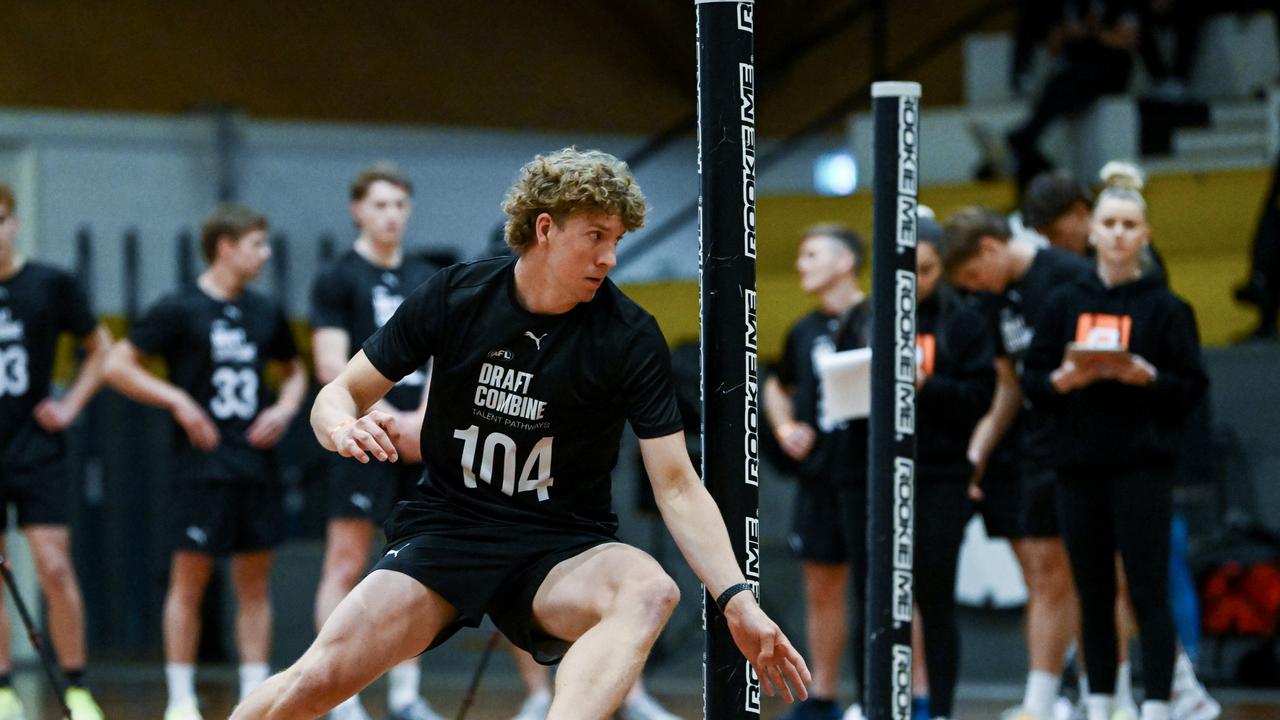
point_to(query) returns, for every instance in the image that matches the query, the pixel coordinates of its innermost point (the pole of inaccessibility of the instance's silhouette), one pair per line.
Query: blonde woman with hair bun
(1116, 363)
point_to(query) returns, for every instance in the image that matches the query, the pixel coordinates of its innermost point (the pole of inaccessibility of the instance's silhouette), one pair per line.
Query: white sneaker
(419, 709)
(1063, 708)
(1019, 712)
(1194, 705)
(643, 706)
(535, 707)
(183, 711)
(1127, 711)
(853, 712)
(348, 710)
(10, 705)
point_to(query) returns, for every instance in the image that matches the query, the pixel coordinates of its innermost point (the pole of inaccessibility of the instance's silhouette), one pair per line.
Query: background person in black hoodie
(1018, 276)
(955, 379)
(1117, 427)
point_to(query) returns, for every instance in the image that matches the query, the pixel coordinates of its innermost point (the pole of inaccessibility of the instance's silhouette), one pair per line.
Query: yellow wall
(1202, 224)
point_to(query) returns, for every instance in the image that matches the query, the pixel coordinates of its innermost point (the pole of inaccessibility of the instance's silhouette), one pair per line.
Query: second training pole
(727, 274)
(895, 107)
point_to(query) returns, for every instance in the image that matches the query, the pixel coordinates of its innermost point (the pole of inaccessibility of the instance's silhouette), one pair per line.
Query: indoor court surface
(137, 693)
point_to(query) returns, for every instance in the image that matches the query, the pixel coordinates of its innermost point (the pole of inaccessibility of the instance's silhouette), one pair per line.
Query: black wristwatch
(730, 591)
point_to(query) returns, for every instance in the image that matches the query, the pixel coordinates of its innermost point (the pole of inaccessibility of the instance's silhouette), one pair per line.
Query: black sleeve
(282, 345)
(1180, 376)
(1045, 354)
(331, 299)
(988, 306)
(77, 318)
(963, 391)
(413, 333)
(649, 398)
(160, 329)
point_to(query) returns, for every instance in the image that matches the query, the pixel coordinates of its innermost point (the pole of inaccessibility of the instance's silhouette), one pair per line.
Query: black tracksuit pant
(942, 511)
(1103, 511)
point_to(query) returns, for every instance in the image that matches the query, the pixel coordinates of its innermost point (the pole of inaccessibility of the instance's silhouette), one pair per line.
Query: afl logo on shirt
(1097, 331)
(502, 354)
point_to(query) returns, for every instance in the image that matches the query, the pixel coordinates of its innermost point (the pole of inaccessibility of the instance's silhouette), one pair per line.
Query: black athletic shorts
(490, 568)
(226, 517)
(1040, 503)
(366, 492)
(40, 492)
(1001, 505)
(817, 530)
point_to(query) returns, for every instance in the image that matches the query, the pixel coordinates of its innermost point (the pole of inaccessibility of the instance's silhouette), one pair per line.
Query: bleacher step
(1213, 141)
(1199, 162)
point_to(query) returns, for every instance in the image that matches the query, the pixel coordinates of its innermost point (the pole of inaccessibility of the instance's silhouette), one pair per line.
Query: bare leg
(250, 573)
(612, 601)
(51, 550)
(1053, 611)
(346, 555)
(1126, 627)
(188, 577)
(6, 661)
(919, 664)
(536, 678)
(387, 618)
(826, 623)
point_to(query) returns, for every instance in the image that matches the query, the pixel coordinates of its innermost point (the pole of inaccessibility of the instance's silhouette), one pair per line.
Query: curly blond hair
(566, 181)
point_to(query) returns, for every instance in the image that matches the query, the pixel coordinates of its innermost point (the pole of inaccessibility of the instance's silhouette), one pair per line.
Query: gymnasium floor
(136, 692)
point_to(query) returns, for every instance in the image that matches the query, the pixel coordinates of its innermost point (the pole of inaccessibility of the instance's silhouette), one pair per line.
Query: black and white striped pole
(727, 277)
(895, 108)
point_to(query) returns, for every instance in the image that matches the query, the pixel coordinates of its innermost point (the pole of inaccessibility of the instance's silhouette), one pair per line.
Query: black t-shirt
(526, 411)
(37, 305)
(1018, 312)
(216, 351)
(1020, 307)
(847, 460)
(811, 337)
(359, 297)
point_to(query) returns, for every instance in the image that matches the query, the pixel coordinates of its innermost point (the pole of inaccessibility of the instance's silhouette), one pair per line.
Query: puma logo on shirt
(537, 339)
(396, 553)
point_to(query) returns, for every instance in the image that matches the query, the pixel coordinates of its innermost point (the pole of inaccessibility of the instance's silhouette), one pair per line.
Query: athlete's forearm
(1005, 405)
(777, 404)
(89, 377)
(294, 388)
(693, 519)
(329, 348)
(334, 407)
(125, 373)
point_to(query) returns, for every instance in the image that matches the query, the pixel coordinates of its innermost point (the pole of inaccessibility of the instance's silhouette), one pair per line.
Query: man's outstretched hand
(373, 435)
(777, 664)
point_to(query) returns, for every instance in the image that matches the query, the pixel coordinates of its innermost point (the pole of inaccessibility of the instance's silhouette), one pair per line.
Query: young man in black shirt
(539, 360)
(979, 255)
(37, 304)
(828, 262)
(218, 338)
(351, 299)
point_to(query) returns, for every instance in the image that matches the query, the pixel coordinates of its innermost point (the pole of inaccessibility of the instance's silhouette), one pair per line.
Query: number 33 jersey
(526, 411)
(216, 351)
(37, 304)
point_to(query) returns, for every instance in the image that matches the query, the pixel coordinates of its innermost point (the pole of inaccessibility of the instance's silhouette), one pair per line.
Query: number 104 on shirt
(535, 473)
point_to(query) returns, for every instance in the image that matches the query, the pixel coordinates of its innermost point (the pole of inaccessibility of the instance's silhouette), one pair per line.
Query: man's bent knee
(656, 595)
(54, 573)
